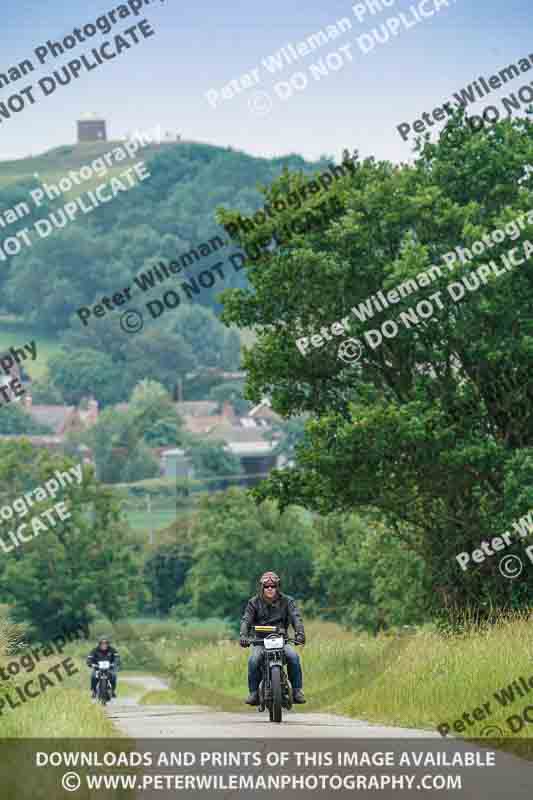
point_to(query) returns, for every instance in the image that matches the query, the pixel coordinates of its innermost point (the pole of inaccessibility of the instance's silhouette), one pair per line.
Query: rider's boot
(93, 695)
(298, 696)
(252, 699)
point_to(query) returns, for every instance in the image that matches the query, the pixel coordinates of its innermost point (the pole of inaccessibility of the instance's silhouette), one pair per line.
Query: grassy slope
(16, 333)
(51, 166)
(54, 164)
(155, 520)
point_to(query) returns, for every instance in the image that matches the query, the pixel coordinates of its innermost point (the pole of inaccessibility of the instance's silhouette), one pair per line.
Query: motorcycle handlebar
(261, 641)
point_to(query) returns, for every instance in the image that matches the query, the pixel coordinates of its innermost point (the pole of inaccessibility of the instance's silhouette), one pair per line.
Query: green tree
(140, 465)
(292, 434)
(119, 450)
(167, 566)
(212, 344)
(159, 356)
(366, 576)
(85, 372)
(44, 392)
(54, 580)
(433, 427)
(234, 542)
(213, 463)
(122, 440)
(105, 440)
(154, 415)
(231, 392)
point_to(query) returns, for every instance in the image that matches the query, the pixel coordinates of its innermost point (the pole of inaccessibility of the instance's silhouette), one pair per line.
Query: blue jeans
(294, 668)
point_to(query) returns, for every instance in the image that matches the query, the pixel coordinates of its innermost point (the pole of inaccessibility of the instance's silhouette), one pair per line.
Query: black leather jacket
(283, 612)
(97, 655)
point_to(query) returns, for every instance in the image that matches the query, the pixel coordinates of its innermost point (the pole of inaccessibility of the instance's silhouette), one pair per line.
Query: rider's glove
(300, 638)
(243, 641)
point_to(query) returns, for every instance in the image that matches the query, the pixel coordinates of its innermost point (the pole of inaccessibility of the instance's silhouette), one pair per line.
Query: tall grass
(439, 678)
(420, 680)
(62, 710)
(215, 673)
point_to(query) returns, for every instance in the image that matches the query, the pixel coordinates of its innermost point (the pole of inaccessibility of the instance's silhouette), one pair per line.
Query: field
(151, 520)
(16, 333)
(52, 165)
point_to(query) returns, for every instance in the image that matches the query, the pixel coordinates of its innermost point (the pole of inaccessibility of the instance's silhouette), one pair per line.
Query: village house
(249, 437)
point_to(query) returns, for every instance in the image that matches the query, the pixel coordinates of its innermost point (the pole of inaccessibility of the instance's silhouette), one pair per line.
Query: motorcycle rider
(104, 652)
(271, 607)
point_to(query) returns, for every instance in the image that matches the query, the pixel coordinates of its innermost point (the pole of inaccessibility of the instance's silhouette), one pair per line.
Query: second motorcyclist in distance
(271, 607)
(104, 652)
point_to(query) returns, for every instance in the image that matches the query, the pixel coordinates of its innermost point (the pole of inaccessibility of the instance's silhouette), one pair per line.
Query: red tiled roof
(56, 417)
(197, 424)
(196, 408)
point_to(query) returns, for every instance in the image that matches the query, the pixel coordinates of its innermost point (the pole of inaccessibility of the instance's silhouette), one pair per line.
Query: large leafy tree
(86, 560)
(434, 427)
(154, 415)
(80, 373)
(213, 463)
(167, 565)
(212, 344)
(234, 542)
(367, 576)
(160, 356)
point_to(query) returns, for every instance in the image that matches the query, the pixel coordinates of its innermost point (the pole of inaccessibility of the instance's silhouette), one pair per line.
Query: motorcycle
(275, 690)
(103, 682)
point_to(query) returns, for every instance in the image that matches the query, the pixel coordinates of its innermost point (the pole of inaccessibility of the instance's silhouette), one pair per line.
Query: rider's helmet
(104, 639)
(269, 578)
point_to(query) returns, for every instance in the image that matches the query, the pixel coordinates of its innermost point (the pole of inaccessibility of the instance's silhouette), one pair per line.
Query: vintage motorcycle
(275, 690)
(103, 682)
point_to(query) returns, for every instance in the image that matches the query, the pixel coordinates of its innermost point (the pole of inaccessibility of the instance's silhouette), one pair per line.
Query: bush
(142, 464)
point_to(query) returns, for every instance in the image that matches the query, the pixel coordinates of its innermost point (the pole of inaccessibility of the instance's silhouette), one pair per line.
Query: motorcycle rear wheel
(276, 708)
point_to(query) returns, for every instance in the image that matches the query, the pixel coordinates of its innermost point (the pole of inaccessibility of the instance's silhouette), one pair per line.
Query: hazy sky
(202, 46)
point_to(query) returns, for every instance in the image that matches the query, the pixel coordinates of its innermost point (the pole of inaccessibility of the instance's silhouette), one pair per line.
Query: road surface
(170, 721)
(200, 730)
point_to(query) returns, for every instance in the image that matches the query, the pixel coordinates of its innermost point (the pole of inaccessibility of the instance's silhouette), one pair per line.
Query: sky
(198, 47)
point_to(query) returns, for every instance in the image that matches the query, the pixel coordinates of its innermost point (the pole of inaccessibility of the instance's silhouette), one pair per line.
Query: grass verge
(416, 681)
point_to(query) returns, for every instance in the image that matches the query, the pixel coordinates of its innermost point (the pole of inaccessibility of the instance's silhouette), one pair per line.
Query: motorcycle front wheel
(275, 712)
(102, 691)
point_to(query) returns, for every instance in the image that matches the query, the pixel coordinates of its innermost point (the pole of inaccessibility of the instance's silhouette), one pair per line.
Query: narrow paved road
(188, 728)
(169, 721)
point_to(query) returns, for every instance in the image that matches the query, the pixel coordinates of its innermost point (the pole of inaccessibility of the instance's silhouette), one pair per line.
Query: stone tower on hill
(91, 128)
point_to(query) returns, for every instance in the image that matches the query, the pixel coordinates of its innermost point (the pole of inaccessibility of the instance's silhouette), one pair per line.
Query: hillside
(59, 160)
(99, 252)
